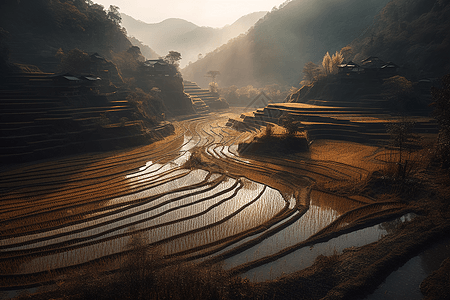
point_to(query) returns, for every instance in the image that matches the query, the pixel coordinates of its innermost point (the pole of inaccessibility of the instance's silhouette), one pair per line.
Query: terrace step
(15, 150)
(24, 106)
(47, 143)
(119, 102)
(36, 125)
(335, 122)
(18, 130)
(210, 99)
(14, 125)
(24, 116)
(21, 140)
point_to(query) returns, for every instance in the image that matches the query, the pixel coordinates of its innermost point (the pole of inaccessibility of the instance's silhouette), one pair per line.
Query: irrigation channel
(191, 196)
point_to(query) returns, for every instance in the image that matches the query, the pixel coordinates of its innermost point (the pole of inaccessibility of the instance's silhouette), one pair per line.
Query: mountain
(185, 37)
(146, 51)
(34, 30)
(280, 44)
(412, 33)
(242, 25)
(158, 36)
(95, 92)
(81, 38)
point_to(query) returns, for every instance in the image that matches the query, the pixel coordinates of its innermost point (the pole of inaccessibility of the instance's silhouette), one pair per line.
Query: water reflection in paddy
(240, 209)
(193, 177)
(315, 219)
(323, 210)
(252, 216)
(306, 256)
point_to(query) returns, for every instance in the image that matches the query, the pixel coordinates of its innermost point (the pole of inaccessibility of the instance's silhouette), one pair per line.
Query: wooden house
(350, 68)
(371, 67)
(156, 67)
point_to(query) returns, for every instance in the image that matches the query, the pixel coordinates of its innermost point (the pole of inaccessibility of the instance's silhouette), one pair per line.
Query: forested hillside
(60, 35)
(412, 33)
(280, 44)
(34, 30)
(146, 51)
(69, 72)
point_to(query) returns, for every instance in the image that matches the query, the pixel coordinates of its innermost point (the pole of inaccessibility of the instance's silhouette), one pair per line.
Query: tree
(75, 61)
(213, 75)
(173, 57)
(114, 14)
(230, 94)
(327, 64)
(311, 72)
(135, 51)
(247, 93)
(269, 130)
(346, 52)
(128, 61)
(399, 91)
(330, 64)
(336, 60)
(396, 86)
(401, 134)
(291, 126)
(213, 87)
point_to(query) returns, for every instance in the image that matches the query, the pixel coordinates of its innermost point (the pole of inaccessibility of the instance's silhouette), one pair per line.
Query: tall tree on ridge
(327, 64)
(173, 57)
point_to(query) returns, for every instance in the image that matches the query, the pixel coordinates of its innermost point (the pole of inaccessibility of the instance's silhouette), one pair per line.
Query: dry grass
(349, 153)
(381, 177)
(145, 274)
(435, 287)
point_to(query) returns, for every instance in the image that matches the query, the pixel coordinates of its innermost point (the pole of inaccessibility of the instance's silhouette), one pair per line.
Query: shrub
(104, 120)
(401, 139)
(146, 274)
(269, 130)
(75, 61)
(291, 126)
(123, 121)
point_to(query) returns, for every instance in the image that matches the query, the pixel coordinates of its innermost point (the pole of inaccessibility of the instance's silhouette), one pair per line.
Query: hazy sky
(213, 13)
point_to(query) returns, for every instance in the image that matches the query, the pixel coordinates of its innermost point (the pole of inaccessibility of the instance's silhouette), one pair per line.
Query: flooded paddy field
(191, 197)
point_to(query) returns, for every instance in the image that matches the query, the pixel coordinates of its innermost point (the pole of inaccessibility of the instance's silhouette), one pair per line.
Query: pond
(404, 283)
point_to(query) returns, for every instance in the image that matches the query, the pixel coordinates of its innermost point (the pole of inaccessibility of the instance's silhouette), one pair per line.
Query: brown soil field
(353, 179)
(358, 271)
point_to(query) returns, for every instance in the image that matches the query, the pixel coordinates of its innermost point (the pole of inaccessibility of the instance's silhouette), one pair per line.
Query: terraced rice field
(191, 196)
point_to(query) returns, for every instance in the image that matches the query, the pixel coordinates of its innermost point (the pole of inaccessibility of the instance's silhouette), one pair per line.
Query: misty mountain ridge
(411, 33)
(146, 51)
(185, 37)
(282, 42)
